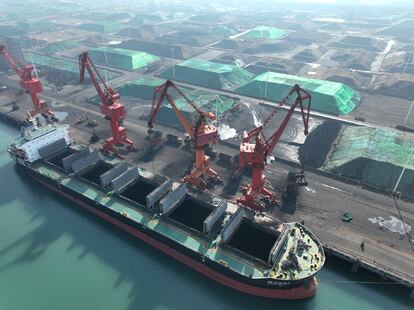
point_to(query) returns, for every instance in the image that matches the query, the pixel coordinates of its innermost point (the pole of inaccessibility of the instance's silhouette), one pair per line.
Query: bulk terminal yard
(301, 143)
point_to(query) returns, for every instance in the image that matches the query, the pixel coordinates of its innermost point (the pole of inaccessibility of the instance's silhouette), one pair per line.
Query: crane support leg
(255, 189)
(201, 170)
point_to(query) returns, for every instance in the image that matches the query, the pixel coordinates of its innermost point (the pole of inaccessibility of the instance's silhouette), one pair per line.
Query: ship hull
(299, 289)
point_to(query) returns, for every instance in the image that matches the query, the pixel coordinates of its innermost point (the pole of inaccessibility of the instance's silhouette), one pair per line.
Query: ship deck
(242, 254)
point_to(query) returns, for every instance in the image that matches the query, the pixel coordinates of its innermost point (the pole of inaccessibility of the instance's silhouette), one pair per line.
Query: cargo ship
(249, 252)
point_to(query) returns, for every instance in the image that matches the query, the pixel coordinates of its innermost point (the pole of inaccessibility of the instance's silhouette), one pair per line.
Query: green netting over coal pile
(122, 58)
(60, 46)
(17, 11)
(102, 26)
(264, 33)
(375, 156)
(36, 26)
(52, 63)
(328, 97)
(223, 30)
(206, 101)
(141, 19)
(141, 88)
(208, 74)
(59, 69)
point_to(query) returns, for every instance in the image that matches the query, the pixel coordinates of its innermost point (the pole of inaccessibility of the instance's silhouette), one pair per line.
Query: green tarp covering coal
(328, 97)
(208, 74)
(102, 26)
(223, 30)
(123, 58)
(141, 88)
(264, 33)
(375, 156)
(206, 101)
(59, 71)
(60, 46)
(36, 26)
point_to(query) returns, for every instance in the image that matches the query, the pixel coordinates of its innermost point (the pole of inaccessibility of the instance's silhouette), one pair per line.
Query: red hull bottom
(301, 292)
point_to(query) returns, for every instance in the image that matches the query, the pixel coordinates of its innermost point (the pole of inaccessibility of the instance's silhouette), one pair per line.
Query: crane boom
(29, 83)
(301, 96)
(162, 93)
(110, 106)
(25, 73)
(108, 95)
(257, 154)
(201, 133)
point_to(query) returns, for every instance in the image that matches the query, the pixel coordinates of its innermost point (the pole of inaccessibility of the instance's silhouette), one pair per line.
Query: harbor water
(53, 255)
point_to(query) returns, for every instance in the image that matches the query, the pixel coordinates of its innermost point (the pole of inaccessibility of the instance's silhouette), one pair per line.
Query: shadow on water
(157, 280)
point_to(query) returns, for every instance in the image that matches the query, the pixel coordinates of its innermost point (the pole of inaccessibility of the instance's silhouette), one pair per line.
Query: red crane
(29, 83)
(257, 154)
(201, 133)
(110, 106)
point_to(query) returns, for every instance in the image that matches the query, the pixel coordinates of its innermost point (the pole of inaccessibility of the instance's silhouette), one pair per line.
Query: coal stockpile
(57, 160)
(191, 214)
(358, 59)
(96, 171)
(138, 192)
(253, 241)
(314, 151)
(275, 47)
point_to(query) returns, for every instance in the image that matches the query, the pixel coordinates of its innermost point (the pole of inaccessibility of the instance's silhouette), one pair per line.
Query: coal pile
(276, 65)
(395, 85)
(314, 151)
(354, 59)
(311, 54)
(354, 79)
(398, 62)
(161, 49)
(275, 47)
(359, 42)
(308, 37)
(231, 44)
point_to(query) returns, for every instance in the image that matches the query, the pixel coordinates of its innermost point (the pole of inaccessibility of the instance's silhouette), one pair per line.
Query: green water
(55, 256)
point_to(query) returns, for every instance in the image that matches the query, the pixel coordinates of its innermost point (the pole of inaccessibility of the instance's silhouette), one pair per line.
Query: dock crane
(29, 83)
(201, 133)
(110, 106)
(258, 154)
